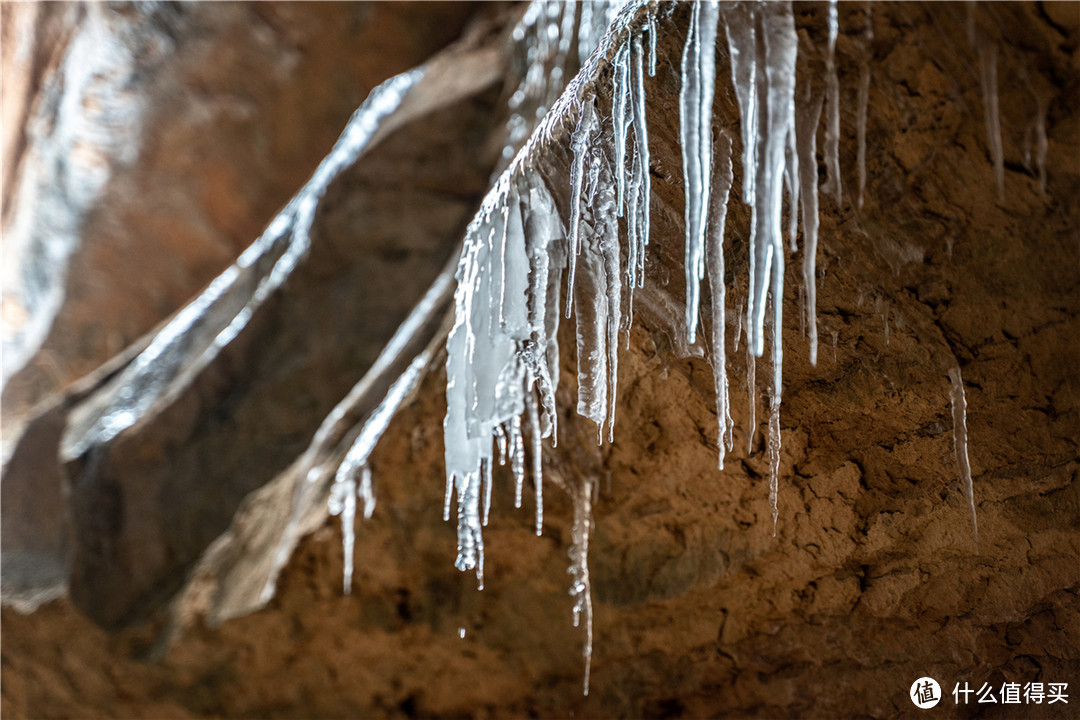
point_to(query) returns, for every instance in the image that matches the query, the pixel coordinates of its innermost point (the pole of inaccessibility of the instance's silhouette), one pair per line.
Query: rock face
(871, 580)
(162, 137)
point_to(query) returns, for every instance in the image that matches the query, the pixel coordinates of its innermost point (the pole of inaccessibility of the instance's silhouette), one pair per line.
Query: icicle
(580, 142)
(695, 126)
(960, 443)
(832, 121)
(367, 492)
(774, 459)
(500, 443)
(537, 462)
(598, 304)
(791, 183)
(620, 120)
(632, 245)
(738, 330)
(751, 391)
(550, 347)
(637, 218)
(499, 265)
(988, 76)
(344, 491)
(542, 228)
(776, 328)
(608, 234)
(652, 45)
(592, 336)
(517, 445)
(581, 588)
(864, 99)
(808, 115)
(470, 535)
(485, 478)
(343, 502)
(447, 498)
(518, 484)
(641, 142)
(722, 174)
(775, 86)
(741, 23)
(614, 299)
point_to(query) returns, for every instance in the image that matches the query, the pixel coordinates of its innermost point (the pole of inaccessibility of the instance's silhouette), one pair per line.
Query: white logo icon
(925, 693)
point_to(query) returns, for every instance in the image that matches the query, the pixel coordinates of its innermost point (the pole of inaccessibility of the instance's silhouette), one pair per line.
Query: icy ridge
(198, 333)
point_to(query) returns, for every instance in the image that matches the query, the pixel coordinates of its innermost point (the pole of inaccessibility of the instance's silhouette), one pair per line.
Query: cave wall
(130, 188)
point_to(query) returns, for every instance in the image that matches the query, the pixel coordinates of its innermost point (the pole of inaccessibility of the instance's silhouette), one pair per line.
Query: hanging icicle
(695, 127)
(960, 446)
(722, 177)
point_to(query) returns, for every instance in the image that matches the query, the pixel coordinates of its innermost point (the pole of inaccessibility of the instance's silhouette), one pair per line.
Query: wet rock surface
(871, 580)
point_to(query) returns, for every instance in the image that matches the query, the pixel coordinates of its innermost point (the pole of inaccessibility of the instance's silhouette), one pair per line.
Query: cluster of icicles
(503, 353)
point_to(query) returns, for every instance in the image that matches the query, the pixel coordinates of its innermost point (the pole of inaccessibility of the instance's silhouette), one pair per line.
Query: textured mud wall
(871, 580)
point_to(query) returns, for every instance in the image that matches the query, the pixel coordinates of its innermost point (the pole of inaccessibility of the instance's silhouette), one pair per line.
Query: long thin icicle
(807, 118)
(774, 460)
(833, 184)
(537, 461)
(343, 502)
(741, 23)
(581, 588)
(621, 120)
(722, 177)
(751, 392)
(960, 446)
(774, 87)
(641, 142)
(344, 491)
(695, 126)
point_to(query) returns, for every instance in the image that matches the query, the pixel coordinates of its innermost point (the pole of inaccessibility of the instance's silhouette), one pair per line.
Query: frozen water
(722, 178)
(807, 119)
(960, 445)
(833, 184)
(695, 126)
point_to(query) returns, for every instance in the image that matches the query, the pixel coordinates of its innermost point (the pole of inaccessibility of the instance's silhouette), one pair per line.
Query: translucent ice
(960, 445)
(695, 126)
